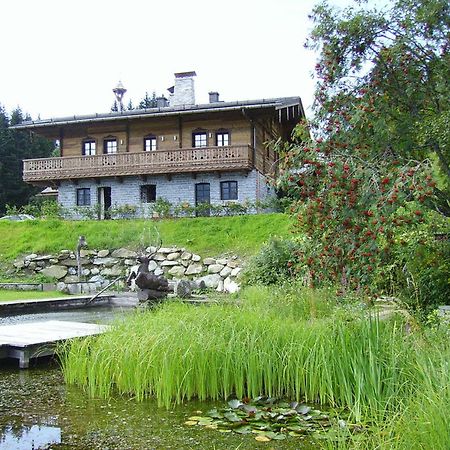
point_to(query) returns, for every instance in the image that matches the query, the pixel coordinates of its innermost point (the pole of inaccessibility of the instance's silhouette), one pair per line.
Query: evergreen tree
(115, 107)
(130, 106)
(148, 102)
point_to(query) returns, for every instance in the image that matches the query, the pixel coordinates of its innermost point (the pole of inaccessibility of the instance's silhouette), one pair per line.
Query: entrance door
(202, 199)
(104, 202)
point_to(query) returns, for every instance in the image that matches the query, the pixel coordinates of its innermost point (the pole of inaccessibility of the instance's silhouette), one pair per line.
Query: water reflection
(29, 438)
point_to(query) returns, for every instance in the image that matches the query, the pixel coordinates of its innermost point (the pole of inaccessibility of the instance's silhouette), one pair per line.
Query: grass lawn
(7, 295)
(211, 236)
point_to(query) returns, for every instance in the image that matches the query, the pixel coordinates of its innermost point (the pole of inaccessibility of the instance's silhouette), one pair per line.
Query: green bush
(273, 264)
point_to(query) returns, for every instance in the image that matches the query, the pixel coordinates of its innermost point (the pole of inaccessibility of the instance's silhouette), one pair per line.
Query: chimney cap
(185, 74)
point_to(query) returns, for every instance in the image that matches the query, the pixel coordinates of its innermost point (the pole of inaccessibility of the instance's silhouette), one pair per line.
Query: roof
(276, 103)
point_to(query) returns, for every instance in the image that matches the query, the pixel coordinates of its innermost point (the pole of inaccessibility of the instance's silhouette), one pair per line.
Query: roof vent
(213, 97)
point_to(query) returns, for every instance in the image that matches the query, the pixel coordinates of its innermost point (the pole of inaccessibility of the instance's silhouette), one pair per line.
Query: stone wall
(101, 266)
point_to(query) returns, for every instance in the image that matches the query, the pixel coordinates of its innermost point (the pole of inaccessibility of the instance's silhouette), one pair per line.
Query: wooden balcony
(205, 159)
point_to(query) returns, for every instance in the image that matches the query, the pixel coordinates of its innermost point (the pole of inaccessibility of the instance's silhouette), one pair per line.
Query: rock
(167, 250)
(219, 287)
(194, 269)
(223, 261)
(96, 279)
(177, 271)
(19, 264)
(230, 286)
(215, 268)
(32, 265)
(173, 256)
(103, 253)
(31, 256)
(57, 272)
(123, 253)
(107, 262)
(209, 261)
(183, 289)
(185, 256)
(86, 272)
(235, 272)
(151, 249)
(112, 271)
(53, 261)
(184, 263)
(225, 272)
(158, 257)
(169, 263)
(152, 266)
(211, 281)
(158, 271)
(73, 288)
(95, 271)
(71, 279)
(130, 262)
(196, 258)
(84, 252)
(72, 271)
(43, 258)
(61, 286)
(233, 263)
(64, 253)
(73, 263)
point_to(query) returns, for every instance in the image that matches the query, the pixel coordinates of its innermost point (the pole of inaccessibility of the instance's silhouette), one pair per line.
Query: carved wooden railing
(204, 159)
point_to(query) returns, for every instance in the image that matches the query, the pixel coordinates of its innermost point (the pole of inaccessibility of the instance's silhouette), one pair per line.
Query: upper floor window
(83, 197)
(88, 147)
(228, 190)
(199, 139)
(148, 193)
(110, 146)
(149, 143)
(222, 138)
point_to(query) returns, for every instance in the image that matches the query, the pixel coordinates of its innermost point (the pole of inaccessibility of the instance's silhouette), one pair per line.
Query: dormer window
(222, 138)
(150, 143)
(110, 146)
(199, 139)
(88, 147)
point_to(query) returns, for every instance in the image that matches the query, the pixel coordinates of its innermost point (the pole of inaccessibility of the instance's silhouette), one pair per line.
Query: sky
(61, 58)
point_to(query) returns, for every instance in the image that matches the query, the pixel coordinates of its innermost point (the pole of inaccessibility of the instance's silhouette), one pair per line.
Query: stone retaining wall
(100, 266)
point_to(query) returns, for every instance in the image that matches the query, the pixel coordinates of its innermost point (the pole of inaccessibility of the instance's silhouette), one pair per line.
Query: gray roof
(277, 103)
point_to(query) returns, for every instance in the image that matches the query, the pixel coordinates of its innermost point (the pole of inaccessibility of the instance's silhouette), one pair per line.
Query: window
(109, 146)
(228, 190)
(199, 139)
(88, 148)
(222, 138)
(83, 197)
(148, 193)
(149, 143)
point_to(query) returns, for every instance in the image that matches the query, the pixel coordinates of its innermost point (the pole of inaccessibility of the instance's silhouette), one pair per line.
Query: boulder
(225, 272)
(167, 250)
(215, 268)
(233, 263)
(194, 269)
(151, 249)
(223, 261)
(95, 271)
(84, 252)
(53, 261)
(230, 286)
(69, 262)
(123, 253)
(158, 271)
(169, 263)
(31, 256)
(103, 253)
(130, 262)
(57, 272)
(196, 258)
(219, 287)
(183, 289)
(177, 271)
(158, 257)
(152, 266)
(173, 256)
(210, 281)
(209, 261)
(107, 262)
(185, 256)
(43, 258)
(235, 272)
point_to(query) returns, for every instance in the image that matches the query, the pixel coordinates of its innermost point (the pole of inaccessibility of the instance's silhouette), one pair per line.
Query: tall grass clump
(179, 352)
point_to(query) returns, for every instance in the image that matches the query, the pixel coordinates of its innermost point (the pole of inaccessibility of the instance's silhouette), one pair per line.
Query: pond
(37, 410)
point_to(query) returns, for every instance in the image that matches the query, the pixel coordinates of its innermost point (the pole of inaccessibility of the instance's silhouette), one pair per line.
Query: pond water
(37, 410)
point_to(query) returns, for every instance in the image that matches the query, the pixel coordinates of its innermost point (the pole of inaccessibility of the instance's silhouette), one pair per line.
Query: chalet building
(180, 151)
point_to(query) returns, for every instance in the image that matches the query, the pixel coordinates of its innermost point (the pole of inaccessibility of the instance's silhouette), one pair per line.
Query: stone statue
(150, 287)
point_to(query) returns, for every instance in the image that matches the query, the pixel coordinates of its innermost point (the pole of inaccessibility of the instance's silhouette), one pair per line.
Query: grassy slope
(205, 235)
(9, 296)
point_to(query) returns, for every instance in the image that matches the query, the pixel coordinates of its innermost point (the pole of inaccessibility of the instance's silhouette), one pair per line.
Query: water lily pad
(303, 409)
(196, 418)
(262, 438)
(191, 422)
(232, 417)
(246, 429)
(215, 414)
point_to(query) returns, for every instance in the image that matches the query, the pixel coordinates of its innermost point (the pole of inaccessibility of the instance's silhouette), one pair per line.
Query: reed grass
(179, 352)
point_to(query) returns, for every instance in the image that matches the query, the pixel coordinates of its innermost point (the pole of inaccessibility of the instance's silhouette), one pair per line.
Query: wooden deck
(32, 340)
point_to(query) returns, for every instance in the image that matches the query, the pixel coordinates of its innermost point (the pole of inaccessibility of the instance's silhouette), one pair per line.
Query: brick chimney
(213, 97)
(183, 91)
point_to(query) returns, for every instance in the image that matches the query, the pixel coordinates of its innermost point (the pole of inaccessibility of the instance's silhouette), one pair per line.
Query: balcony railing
(205, 159)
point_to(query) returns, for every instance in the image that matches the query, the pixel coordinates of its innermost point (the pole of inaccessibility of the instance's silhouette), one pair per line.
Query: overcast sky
(61, 58)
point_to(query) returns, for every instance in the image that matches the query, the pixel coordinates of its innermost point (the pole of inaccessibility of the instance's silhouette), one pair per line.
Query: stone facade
(177, 189)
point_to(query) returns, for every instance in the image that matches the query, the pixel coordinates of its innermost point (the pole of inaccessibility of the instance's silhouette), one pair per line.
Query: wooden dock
(35, 339)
